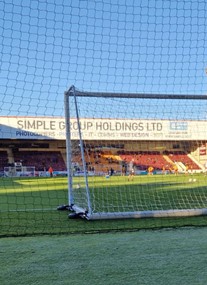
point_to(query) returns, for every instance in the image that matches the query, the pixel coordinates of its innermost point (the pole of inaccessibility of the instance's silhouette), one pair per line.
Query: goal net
(135, 155)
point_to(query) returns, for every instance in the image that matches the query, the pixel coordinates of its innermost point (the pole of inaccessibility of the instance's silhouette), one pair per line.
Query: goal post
(72, 205)
(109, 132)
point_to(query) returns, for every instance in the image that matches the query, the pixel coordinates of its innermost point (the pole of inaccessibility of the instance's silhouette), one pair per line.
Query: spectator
(50, 170)
(150, 170)
(131, 174)
(175, 168)
(123, 170)
(111, 172)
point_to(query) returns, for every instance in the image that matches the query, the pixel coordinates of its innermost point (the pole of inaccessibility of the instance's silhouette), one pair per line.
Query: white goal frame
(88, 213)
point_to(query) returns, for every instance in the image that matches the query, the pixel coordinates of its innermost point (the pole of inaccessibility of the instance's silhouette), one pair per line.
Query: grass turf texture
(173, 256)
(28, 205)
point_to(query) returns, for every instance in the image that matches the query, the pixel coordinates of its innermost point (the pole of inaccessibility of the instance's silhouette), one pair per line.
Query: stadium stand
(180, 156)
(41, 160)
(3, 159)
(100, 161)
(142, 160)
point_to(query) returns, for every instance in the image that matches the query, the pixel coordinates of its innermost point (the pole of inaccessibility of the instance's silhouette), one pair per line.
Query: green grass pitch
(28, 205)
(160, 257)
(40, 245)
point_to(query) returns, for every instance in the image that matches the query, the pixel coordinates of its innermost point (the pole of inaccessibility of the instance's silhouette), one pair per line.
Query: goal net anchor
(75, 212)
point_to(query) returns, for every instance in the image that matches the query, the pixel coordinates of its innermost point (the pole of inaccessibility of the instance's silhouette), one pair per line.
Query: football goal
(135, 155)
(18, 170)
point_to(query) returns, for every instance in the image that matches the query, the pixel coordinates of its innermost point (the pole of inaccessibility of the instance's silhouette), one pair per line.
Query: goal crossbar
(80, 93)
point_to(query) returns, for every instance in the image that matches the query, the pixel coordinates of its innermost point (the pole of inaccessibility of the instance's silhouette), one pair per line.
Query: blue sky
(141, 46)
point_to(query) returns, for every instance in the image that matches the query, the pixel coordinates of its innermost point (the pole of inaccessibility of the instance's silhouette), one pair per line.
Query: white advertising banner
(102, 129)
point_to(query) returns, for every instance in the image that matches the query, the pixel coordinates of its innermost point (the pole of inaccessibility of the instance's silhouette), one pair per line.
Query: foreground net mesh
(149, 47)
